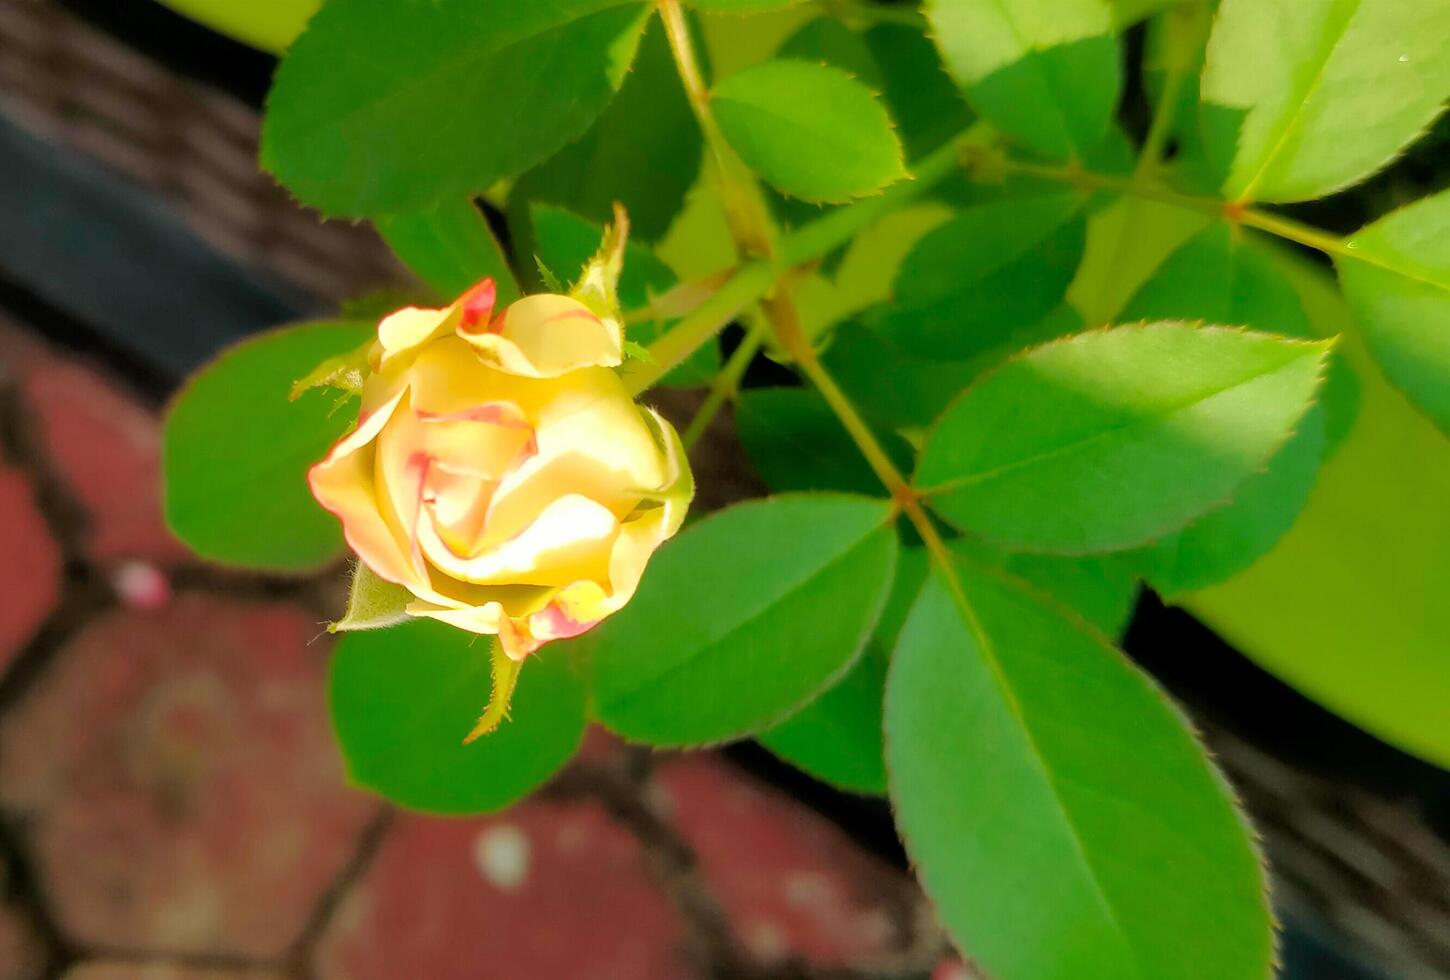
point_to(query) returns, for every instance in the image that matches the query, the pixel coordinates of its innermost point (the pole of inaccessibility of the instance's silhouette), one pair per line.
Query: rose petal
(544, 336)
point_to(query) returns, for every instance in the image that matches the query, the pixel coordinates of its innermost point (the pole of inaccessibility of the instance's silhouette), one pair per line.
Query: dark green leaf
(565, 242)
(797, 443)
(927, 107)
(402, 700)
(643, 152)
(384, 106)
(898, 390)
(450, 248)
(1046, 74)
(811, 130)
(237, 450)
(1398, 284)
(744, 618)
(1113, 438)
(991, 270)
(1061, 815)
(837, 737)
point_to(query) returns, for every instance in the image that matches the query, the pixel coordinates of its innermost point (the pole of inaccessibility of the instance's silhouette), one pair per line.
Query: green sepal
(344, 372)
(598, 284)
(372, 603)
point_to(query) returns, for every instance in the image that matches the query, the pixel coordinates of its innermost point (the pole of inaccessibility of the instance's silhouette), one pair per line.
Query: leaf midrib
(1139, 422)
(1014, 706)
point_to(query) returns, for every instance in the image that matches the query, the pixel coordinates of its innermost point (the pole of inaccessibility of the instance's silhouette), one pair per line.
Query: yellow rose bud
(500, 471)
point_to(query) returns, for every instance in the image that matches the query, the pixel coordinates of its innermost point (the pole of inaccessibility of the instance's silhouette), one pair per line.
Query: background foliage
(1051, 351)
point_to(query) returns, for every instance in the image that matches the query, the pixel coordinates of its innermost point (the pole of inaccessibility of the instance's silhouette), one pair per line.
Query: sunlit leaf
(1304, 97)
(1113, 438)
(1047, 74)
(811, 130)
(1397, 281)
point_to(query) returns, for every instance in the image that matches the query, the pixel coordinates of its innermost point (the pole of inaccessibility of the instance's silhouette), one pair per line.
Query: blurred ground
(171, 801)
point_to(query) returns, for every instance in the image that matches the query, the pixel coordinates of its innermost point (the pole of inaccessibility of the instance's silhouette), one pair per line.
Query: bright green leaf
(811, 130)
(1305, 97)
(1361, 579)
(384, 106)
(1047, 74)
(1113, 438)
(450, 247)
(565, 242)
(1101, 589)
(837, 737)
(237, 451)
(744, 618)
(991, 270)
(1221, 276)
(402, 700)
(1061, 816)
(1398, 283)
(643, 152)
(267, 24)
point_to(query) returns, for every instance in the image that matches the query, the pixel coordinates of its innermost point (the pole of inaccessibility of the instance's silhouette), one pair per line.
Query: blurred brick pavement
(172, 806)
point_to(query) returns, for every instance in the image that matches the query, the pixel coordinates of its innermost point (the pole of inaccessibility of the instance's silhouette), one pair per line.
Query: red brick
(112, 970)
(546, 890)
(178, 780)
(107, 448)
(793, 885)
(30, 571)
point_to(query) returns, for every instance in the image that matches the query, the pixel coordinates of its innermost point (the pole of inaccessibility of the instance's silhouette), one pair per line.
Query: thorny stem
(725, 386)
(751, 229)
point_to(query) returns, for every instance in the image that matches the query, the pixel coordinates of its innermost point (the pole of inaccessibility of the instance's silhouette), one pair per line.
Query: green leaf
(827, 41)
(1361, 579)
(450, 248)
(741, 6)
(643, 152)
(1061, 816)
(267, 24)
(237, 451)
(811, 130)
(1113, 438)
(898, 390)
(566, 242)
(1099, 589)
(837, 737)
(1306, 97)
(744, 618)
(1398, 284)
(384, 106)
(1224, 542)
(1129, 12)
(1047, 74)
(402, 700)
(797, 443)
(927, 107)
(993, 269)
(1222, 276)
